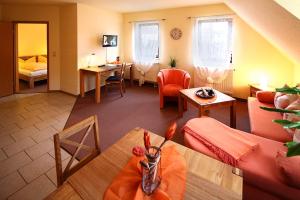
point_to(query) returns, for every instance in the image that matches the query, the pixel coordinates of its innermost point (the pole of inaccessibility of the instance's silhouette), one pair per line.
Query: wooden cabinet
(6, 59)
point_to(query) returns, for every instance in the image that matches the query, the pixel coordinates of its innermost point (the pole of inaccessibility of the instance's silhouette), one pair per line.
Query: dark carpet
(140, 108)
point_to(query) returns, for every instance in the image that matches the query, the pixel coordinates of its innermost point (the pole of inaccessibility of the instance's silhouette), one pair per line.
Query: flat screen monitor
(110, 40)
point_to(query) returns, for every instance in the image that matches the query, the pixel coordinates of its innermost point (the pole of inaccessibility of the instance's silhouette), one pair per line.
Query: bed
(33, 68)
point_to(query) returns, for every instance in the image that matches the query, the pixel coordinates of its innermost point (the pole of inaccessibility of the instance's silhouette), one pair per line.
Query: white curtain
(212, 49)
(145, 46)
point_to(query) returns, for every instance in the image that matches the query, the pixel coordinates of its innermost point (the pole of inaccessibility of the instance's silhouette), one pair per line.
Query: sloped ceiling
(293, 6)
(272, 21)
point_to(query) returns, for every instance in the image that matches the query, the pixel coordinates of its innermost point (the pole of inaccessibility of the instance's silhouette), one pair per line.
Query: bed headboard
(36, 57)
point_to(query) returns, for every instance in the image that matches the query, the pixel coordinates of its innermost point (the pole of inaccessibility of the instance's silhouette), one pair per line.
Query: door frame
(15, 54)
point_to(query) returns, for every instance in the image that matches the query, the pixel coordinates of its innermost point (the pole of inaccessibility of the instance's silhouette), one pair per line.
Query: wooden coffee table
(220, 100)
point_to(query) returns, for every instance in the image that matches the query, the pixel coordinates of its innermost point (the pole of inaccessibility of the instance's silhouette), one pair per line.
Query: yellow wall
(92, 23)
(297, 74)
(41, 13)
(32, 39)
(253, 55)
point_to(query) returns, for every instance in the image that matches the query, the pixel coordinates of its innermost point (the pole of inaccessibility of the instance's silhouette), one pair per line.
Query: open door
(6, 59)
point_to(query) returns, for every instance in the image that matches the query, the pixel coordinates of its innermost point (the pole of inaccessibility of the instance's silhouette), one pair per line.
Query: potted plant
(293, 147)
(172, 62)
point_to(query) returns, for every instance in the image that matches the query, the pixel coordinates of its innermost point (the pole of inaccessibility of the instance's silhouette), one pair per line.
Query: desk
(207, 178)
(220, 100)
(97, 71)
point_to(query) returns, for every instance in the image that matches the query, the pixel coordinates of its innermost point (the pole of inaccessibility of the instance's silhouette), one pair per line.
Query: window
(146, 41)
(213, 42)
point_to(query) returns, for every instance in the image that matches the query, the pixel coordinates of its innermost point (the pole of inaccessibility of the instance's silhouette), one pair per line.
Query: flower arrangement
(293, 147)
(151, 170)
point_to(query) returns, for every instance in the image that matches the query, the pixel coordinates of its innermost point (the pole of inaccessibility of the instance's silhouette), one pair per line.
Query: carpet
(139, 107)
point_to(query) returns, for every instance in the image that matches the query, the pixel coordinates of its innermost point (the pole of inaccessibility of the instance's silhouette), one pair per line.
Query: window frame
(200, 21)
(144, 23)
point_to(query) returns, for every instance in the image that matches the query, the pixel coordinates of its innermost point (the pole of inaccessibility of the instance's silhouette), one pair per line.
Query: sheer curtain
(145, 46)
(212, 49)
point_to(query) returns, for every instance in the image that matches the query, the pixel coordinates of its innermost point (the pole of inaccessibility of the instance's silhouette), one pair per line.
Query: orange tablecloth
(127, 184)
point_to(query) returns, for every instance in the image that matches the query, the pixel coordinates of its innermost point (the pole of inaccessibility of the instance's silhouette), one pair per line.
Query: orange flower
(170, 131)
(147, 140)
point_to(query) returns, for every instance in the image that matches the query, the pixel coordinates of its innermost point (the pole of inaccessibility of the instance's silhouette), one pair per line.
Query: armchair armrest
(186, 81)
(160, 80)
(265, 96)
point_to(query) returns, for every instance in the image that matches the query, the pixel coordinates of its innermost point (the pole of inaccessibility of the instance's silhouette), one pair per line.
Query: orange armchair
(170, 82)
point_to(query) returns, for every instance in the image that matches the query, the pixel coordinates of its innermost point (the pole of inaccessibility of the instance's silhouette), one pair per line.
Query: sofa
(261, 123)
(262, 178)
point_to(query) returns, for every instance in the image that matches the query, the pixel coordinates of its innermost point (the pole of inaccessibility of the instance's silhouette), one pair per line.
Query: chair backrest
(173, 76)
(87, 124)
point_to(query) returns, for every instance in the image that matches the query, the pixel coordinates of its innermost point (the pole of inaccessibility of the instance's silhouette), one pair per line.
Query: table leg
(81, 83)
(233, 115)
(201, 111)
(180, 106)
(97, 88)
(131, 75)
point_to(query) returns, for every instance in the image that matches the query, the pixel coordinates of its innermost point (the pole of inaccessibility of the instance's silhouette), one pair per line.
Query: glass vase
(151, 171)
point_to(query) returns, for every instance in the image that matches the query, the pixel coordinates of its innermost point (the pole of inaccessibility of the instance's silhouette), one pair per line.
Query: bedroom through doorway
(31, 57)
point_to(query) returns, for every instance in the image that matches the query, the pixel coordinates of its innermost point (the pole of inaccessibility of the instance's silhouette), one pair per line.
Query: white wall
(92, 23)
(41, 13)
(68, 46)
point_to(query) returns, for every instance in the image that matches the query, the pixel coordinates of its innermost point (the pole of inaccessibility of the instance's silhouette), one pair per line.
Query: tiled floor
(27, 125)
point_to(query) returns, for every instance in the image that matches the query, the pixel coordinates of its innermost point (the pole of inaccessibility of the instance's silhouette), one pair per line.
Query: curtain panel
(212, 49)
(145, 46)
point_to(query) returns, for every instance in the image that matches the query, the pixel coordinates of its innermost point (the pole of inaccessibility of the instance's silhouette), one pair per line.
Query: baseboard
(50, 91)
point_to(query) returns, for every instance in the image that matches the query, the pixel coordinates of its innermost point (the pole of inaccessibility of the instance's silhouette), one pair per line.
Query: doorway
(31, 57)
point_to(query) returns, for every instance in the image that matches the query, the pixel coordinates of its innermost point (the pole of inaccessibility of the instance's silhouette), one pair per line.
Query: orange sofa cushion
(259, 168)
(261, 122)
(265, 96)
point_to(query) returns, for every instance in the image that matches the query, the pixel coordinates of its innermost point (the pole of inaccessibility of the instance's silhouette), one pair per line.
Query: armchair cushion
(172, 89)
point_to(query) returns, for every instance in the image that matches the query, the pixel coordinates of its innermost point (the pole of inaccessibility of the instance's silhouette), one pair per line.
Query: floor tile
(5, 140)
(64, 154)
(37, 167)
(37, 189)
(18, 146)
(25, 132)
(10, 184)
(2, 155)
(44, 134)
(13, 163)
(40, 149)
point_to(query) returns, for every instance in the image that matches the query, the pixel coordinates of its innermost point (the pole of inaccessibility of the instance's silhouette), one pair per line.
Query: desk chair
(117, 79)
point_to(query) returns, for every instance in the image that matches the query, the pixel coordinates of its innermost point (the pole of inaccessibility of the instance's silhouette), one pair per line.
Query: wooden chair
(117, 79)
(62, 137)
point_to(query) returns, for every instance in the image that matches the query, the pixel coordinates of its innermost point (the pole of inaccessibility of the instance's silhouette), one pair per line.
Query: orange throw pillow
(289, 168)
(265, 96)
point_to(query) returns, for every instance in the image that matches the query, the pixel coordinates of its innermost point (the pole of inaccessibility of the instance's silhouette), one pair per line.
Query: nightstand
(256, 87)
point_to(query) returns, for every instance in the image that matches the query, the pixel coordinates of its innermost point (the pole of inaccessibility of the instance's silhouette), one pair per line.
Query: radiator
(226, 86)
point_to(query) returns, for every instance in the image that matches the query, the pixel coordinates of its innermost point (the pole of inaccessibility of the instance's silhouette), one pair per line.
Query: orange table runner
(127, 184)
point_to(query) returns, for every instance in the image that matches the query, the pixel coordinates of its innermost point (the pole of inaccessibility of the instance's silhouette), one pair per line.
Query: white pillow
(292, 117)
(282, 101)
